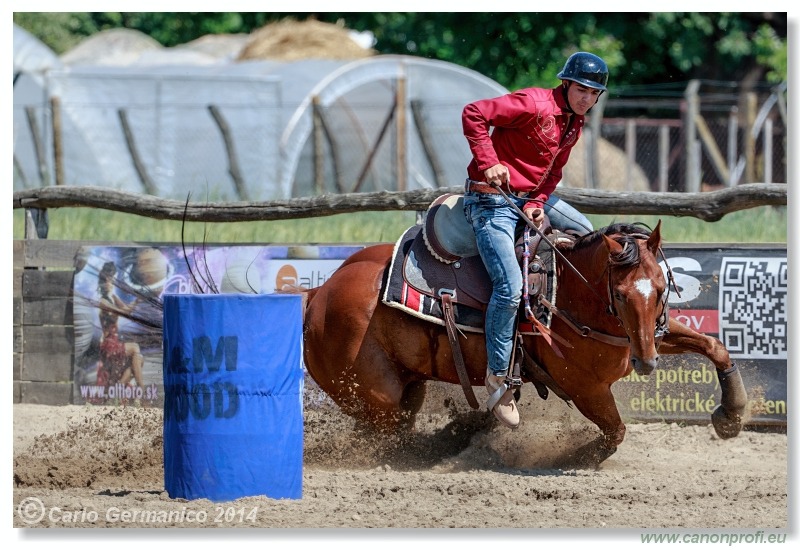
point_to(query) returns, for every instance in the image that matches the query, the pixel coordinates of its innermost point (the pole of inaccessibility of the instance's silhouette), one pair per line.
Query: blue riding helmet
(586, 69)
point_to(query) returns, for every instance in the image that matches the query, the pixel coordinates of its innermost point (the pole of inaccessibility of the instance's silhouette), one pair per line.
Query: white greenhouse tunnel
(278, 129)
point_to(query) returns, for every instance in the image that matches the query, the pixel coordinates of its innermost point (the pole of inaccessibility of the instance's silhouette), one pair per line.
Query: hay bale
(290, 40)
(219, 46)
(116, 47)
(611, 170)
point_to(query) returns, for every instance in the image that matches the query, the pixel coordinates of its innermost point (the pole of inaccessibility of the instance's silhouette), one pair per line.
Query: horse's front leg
(599, 407)
(727, 418)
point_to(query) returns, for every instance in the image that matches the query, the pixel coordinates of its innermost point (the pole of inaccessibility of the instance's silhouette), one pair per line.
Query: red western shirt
(534, 132)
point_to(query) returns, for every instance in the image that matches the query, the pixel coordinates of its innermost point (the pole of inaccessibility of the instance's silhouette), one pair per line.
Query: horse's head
(636, 288)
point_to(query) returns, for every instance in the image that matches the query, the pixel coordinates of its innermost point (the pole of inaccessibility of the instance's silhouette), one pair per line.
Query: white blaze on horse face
(645, 287)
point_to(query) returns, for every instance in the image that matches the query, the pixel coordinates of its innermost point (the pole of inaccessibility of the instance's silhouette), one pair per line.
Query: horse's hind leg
(366, 386)
(375, 394)
(387, 396)
(346, 358)
(727, 418)
(413, 398)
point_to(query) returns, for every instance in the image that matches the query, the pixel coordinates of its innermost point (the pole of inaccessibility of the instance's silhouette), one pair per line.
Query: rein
(583, 330)
(662, 322)
(532, 225)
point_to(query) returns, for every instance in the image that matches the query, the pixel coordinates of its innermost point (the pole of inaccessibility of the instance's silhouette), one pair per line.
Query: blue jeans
(494, 223)
(564, 216)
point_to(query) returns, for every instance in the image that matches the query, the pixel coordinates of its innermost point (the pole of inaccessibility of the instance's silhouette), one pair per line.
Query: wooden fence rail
(707, 206)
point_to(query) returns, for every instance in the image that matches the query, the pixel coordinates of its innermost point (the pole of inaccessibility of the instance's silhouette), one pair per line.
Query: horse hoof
(592, 454)
(725, 426)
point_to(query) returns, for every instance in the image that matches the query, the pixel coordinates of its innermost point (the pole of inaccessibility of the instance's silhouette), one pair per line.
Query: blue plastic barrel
(233, 387)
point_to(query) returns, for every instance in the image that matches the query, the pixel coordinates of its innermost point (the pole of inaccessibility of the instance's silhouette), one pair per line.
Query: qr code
(753, 307)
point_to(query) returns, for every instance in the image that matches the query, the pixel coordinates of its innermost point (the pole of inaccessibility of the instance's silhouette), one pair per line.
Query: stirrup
(508, 383)
(496, 396)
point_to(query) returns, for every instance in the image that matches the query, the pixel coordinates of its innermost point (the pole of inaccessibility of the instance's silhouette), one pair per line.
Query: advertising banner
(739, 295)
(117, 310)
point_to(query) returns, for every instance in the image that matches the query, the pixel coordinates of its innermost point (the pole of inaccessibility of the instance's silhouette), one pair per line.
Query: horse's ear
(613, 246)
(654, 242)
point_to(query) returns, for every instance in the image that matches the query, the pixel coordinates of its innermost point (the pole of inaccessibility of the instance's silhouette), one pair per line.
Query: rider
(534, 132)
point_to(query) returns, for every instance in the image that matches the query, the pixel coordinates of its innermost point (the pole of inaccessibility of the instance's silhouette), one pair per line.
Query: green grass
(758, 225)
(765, 224)
(102, 225)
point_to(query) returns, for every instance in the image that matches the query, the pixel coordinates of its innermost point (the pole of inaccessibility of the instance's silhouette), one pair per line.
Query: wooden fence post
(692, 149)
(751, 106)
(400, 128)
(594, 133)
(58, 150)
(630, 152)
(141, 169)
(38, 144)
(663, 158)
(733, 146)
(230, 148)
(374, 149)
(319, 149)
(768, 150)
(427, 143)
(37, 223)
(322, 129)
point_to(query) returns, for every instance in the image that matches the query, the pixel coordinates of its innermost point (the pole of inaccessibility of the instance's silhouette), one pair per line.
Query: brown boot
(501, 403)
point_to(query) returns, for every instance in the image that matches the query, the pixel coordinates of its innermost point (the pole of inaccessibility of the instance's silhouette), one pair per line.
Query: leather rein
(662, 322)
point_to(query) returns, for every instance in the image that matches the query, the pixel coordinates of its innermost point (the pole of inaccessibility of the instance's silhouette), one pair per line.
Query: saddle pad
(466, 280)
(417, 297)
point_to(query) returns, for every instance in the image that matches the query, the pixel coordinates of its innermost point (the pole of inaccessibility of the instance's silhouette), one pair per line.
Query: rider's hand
(536, 215)
(496, 174)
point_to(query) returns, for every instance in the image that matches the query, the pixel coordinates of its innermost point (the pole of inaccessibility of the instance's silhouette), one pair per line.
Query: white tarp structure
(170, 122)
(31, 55)
(32, 60)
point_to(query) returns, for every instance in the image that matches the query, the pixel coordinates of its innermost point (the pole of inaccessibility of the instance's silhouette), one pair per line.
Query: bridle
(662, 321)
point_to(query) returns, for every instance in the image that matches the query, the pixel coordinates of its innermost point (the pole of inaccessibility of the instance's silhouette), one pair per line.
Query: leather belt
(483, 187)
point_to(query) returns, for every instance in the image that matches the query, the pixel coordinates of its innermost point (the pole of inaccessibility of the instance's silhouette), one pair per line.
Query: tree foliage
(515, 49)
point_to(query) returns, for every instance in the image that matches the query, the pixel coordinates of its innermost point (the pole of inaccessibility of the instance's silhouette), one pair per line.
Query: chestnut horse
(373, 360)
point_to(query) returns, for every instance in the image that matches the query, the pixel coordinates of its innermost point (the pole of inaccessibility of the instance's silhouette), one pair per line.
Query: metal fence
(711, 135)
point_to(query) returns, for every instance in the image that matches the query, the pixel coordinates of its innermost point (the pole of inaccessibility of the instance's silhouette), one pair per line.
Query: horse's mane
(624, 233)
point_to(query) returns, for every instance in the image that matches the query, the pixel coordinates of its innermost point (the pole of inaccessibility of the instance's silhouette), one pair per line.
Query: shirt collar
(561, 102)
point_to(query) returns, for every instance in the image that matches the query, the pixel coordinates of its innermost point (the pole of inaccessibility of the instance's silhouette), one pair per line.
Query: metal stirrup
(497, 395)
(510, 382)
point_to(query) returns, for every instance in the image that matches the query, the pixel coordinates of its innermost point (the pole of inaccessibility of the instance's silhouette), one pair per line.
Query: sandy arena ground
(459, 469)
